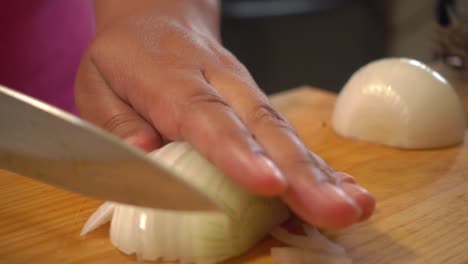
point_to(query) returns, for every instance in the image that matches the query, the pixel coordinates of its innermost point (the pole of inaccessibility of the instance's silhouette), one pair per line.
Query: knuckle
(236, 67)
(197, 107)
(301, 161)
(230, 61)
(306, 163)
(265, 115)
(97, 46)
(303, 166)
(204, 99)
(297, 164)
(119, 124)
(321, 163)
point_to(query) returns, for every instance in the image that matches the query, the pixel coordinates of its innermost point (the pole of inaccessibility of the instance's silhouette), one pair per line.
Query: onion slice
(187, 236)
(209, 237)
(313, 247)
(314, 240)
(101, 216)
(291, 255)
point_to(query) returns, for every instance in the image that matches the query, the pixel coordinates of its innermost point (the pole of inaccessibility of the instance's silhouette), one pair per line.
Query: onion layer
(307, 249)
(290, 255)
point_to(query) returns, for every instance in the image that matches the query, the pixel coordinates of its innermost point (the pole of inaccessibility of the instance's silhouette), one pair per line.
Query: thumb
(98, 104)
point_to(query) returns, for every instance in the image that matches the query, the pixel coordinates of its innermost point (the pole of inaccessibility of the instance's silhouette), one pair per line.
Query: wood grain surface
(421, 216)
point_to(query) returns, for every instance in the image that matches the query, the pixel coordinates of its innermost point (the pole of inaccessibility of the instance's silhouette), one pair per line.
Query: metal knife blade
(45, 143)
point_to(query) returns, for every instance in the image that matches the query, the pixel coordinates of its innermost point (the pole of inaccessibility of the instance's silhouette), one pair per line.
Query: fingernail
(269, 168)
(344, 177)
(136, 141)
(337, 193)
(142, 142)
(362, 198)
(132, 140)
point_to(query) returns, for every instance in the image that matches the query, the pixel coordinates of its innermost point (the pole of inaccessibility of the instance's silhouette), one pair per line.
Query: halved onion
(402, 103)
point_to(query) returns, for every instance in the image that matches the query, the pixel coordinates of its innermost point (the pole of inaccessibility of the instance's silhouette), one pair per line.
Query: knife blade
(45, 143)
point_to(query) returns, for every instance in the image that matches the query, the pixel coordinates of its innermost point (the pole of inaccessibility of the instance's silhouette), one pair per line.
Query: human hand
(151, 78)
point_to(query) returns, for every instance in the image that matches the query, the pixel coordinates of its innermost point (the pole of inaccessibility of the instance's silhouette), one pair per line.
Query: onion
(311, 248)
(209, 237)
(313, 240)
(289, 255)
(102, 215)
(401, 103)
(195, 237)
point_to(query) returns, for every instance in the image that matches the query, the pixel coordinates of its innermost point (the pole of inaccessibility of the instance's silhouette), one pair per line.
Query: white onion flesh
(209, 237)
(307, 249)
(291, 255)
(312, 241)
(192, 237)
(102, 215)
(401, 103)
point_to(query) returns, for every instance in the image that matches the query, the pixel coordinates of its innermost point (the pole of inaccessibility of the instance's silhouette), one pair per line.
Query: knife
(45, 143)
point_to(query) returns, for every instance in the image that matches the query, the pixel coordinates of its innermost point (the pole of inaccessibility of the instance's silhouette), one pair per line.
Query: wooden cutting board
(421, 216)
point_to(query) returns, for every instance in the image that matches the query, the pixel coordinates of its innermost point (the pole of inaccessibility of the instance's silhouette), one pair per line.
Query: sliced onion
(102, 215)
(306, 249)
(312, 241)
(207, 237)
(291, 255)
(192, 237)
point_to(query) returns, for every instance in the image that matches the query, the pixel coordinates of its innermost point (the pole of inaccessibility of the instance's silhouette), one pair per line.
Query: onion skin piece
(400, 103)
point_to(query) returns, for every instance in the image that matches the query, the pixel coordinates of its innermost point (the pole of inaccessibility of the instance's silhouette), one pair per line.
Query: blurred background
(288, 43)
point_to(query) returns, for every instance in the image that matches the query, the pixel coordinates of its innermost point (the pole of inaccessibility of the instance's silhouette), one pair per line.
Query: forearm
(201, 15)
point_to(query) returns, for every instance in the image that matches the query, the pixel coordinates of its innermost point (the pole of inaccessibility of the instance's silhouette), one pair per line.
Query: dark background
(287, 43)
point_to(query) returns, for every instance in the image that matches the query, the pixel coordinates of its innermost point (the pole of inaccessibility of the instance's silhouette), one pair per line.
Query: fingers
(201, 117)
(226, 142)
(98, 104)
(181, 105)
(312, 191)
(343, 177)
(361, 197)
(226, 117)
(320, 196)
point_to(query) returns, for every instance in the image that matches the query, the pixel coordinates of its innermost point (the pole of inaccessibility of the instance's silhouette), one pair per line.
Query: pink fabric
(41, 43)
